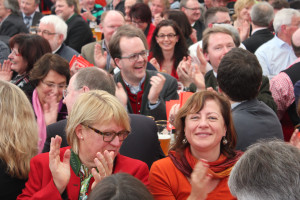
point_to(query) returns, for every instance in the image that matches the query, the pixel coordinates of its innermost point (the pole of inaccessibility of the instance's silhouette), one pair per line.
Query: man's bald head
(110, 21)
(296, 42)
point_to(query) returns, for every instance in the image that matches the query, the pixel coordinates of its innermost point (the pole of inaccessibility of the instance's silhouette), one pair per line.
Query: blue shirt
(275, 56)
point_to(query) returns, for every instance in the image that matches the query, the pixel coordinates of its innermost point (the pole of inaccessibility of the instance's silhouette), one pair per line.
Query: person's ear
(117, 62)
(85, 88)
(206, 56)
(78, 131)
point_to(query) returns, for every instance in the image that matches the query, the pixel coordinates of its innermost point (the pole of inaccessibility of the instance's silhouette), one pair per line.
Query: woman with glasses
(18, 140)
(26, 49)
(141, 18)
(168, 47)
(96, 128)
(50, 75)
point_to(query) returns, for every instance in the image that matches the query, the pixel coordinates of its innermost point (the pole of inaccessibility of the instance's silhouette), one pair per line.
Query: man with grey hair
(268, 170)
(282, 88)
(11, 22)
(277, 54)
(29, 14)
(261, 16)
(54, 29)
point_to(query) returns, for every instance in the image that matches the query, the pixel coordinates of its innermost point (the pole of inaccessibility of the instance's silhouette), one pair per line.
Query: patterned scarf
(221, 168)
(83, 172)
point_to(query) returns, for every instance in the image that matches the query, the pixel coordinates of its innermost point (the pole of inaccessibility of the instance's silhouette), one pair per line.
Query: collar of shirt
(235, 104)
(56, 49)
(29, 15)
(135, 89)
(281, 43)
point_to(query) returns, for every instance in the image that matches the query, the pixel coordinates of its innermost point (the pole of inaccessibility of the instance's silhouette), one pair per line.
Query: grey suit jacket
(254, 120)
(142, 143)
(169, 92)
(87, 51)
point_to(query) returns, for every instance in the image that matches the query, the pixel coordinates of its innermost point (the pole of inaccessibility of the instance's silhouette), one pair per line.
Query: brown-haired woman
(204, 131)
(50, 75)
(26, 49)
(168, 47)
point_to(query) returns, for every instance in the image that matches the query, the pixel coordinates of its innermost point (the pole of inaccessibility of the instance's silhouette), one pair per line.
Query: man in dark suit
(11, 21)
(146, 90)
(217, 42)
(142, 143)
(79, 32)
(192, 10)
(239, 79)
(29, 14)
(261, 15)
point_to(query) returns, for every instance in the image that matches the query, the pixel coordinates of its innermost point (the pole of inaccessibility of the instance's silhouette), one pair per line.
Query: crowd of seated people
(79, 113)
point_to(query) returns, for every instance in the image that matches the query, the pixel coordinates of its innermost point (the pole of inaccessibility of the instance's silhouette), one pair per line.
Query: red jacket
(40, 184)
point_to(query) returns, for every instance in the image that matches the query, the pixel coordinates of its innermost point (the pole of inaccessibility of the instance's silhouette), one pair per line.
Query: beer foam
(164, 137)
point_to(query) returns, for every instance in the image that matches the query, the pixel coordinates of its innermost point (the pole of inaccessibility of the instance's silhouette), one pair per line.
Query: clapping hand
(157, 83)
(60, 170)
(50, 108)
(104, 163)
(99, 57)
(199, 181)
(5, 71)
(295, 139)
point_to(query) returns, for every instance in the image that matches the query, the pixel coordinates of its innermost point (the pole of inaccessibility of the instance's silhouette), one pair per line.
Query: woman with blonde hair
(18, 139)
(241, 17)
(96, 128)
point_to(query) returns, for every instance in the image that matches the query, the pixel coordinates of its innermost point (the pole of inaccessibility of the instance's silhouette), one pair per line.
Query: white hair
(59, 24)
(284, 17)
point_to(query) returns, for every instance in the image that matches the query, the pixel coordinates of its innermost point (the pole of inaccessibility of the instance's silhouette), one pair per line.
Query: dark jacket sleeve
(265, 94)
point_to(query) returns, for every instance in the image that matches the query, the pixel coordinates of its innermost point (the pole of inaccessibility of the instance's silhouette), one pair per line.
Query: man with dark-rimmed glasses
(146, 90)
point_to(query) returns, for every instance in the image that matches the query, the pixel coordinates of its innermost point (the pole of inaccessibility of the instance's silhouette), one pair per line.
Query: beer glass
(164, 135)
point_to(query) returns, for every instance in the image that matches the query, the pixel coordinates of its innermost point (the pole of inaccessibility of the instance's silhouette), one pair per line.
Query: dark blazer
(66, 52)
(264, 94)
(142, 143)
(254, 120)
(13, 25)
(169, 92)
(10, 187)
(257, 39)
(199, 27)
(78, 33)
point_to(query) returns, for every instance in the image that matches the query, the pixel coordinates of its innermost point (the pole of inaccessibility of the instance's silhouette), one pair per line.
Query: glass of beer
(93, 25)
(164, 135)
(98, 33)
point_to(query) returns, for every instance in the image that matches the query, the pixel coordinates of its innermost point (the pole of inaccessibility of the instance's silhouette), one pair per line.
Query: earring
(81, 137)
(224, 140)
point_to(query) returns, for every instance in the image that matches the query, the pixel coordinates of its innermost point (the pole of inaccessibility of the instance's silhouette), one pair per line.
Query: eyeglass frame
(13, 52)
(193, 9)
(169, 36)
(114, 134)
(45, 32)
(53, 85)
(134, 57)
